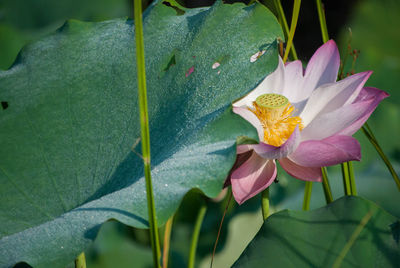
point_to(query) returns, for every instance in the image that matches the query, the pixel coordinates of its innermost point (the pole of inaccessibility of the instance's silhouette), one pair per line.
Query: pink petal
(251, 118)
(330, 151)
(300, 172)
(366, 94)
(332, 96)
(243, 148)
(240, 159)
(329, 124)
(252, 177)
(323, 66)
(271, 152)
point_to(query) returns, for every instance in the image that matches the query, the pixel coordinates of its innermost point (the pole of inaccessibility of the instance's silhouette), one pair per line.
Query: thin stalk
(369, 131)
(265, 203)
(307, 195)
(284, 25)
(378, 148)
(220, 228)
(293, 24)
(196, 233)
(326, 186)
(346, 178)
(80, 261)
(322, 21)
(167, 240)
(352, 180)
(145, 136)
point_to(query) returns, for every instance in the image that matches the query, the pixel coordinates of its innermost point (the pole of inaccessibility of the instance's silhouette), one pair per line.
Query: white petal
(273, 83)
(251, 118)
(331, 96)
(328, 124)
(294, 88)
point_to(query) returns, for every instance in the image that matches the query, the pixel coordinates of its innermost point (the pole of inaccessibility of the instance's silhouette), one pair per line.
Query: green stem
(378, 148)
(80, 261)
(346, 178)
(265, 203)
(322, 21)
(352, 179)
(196, 233)
(284, 25)
(307, 195)
(370, 131)
(326, 186)
(293, 24)
(145, 136)
(167, 240)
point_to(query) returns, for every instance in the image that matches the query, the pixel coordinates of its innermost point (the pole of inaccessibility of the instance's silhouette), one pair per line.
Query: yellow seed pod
(271, 101)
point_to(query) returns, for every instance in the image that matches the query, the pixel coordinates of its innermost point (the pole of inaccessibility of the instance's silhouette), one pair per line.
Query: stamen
(275, 114)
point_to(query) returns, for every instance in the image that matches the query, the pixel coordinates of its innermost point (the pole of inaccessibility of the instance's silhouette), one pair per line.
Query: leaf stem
(352, 179)
(265, 203)
(326, 186)
(293, 24)
(167, 240)
(369, 134)
(322, 21)
(346, 178)
(80, 261)
(196, 233)
(145, 136)
(307, 195)
(282, 20)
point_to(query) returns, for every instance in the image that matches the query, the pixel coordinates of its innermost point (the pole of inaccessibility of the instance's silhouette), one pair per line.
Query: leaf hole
(4, 105)
(257, 55)
(170, 63)
(22, 265)
(216, 65)
(179, 11)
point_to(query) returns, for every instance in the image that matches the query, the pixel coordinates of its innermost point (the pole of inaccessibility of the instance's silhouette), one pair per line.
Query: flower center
(275, 114)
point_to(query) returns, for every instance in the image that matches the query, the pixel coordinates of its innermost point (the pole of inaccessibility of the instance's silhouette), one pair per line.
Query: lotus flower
(305, 119)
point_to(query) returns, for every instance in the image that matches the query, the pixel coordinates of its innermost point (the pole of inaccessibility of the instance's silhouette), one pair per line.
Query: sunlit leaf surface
(69, 126)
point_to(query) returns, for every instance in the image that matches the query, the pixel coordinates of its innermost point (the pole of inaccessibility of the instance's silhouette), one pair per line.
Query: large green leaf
(351, 227)
(70, 119)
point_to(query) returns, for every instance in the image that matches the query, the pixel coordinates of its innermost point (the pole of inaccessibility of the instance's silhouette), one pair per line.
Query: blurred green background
(374, 26)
